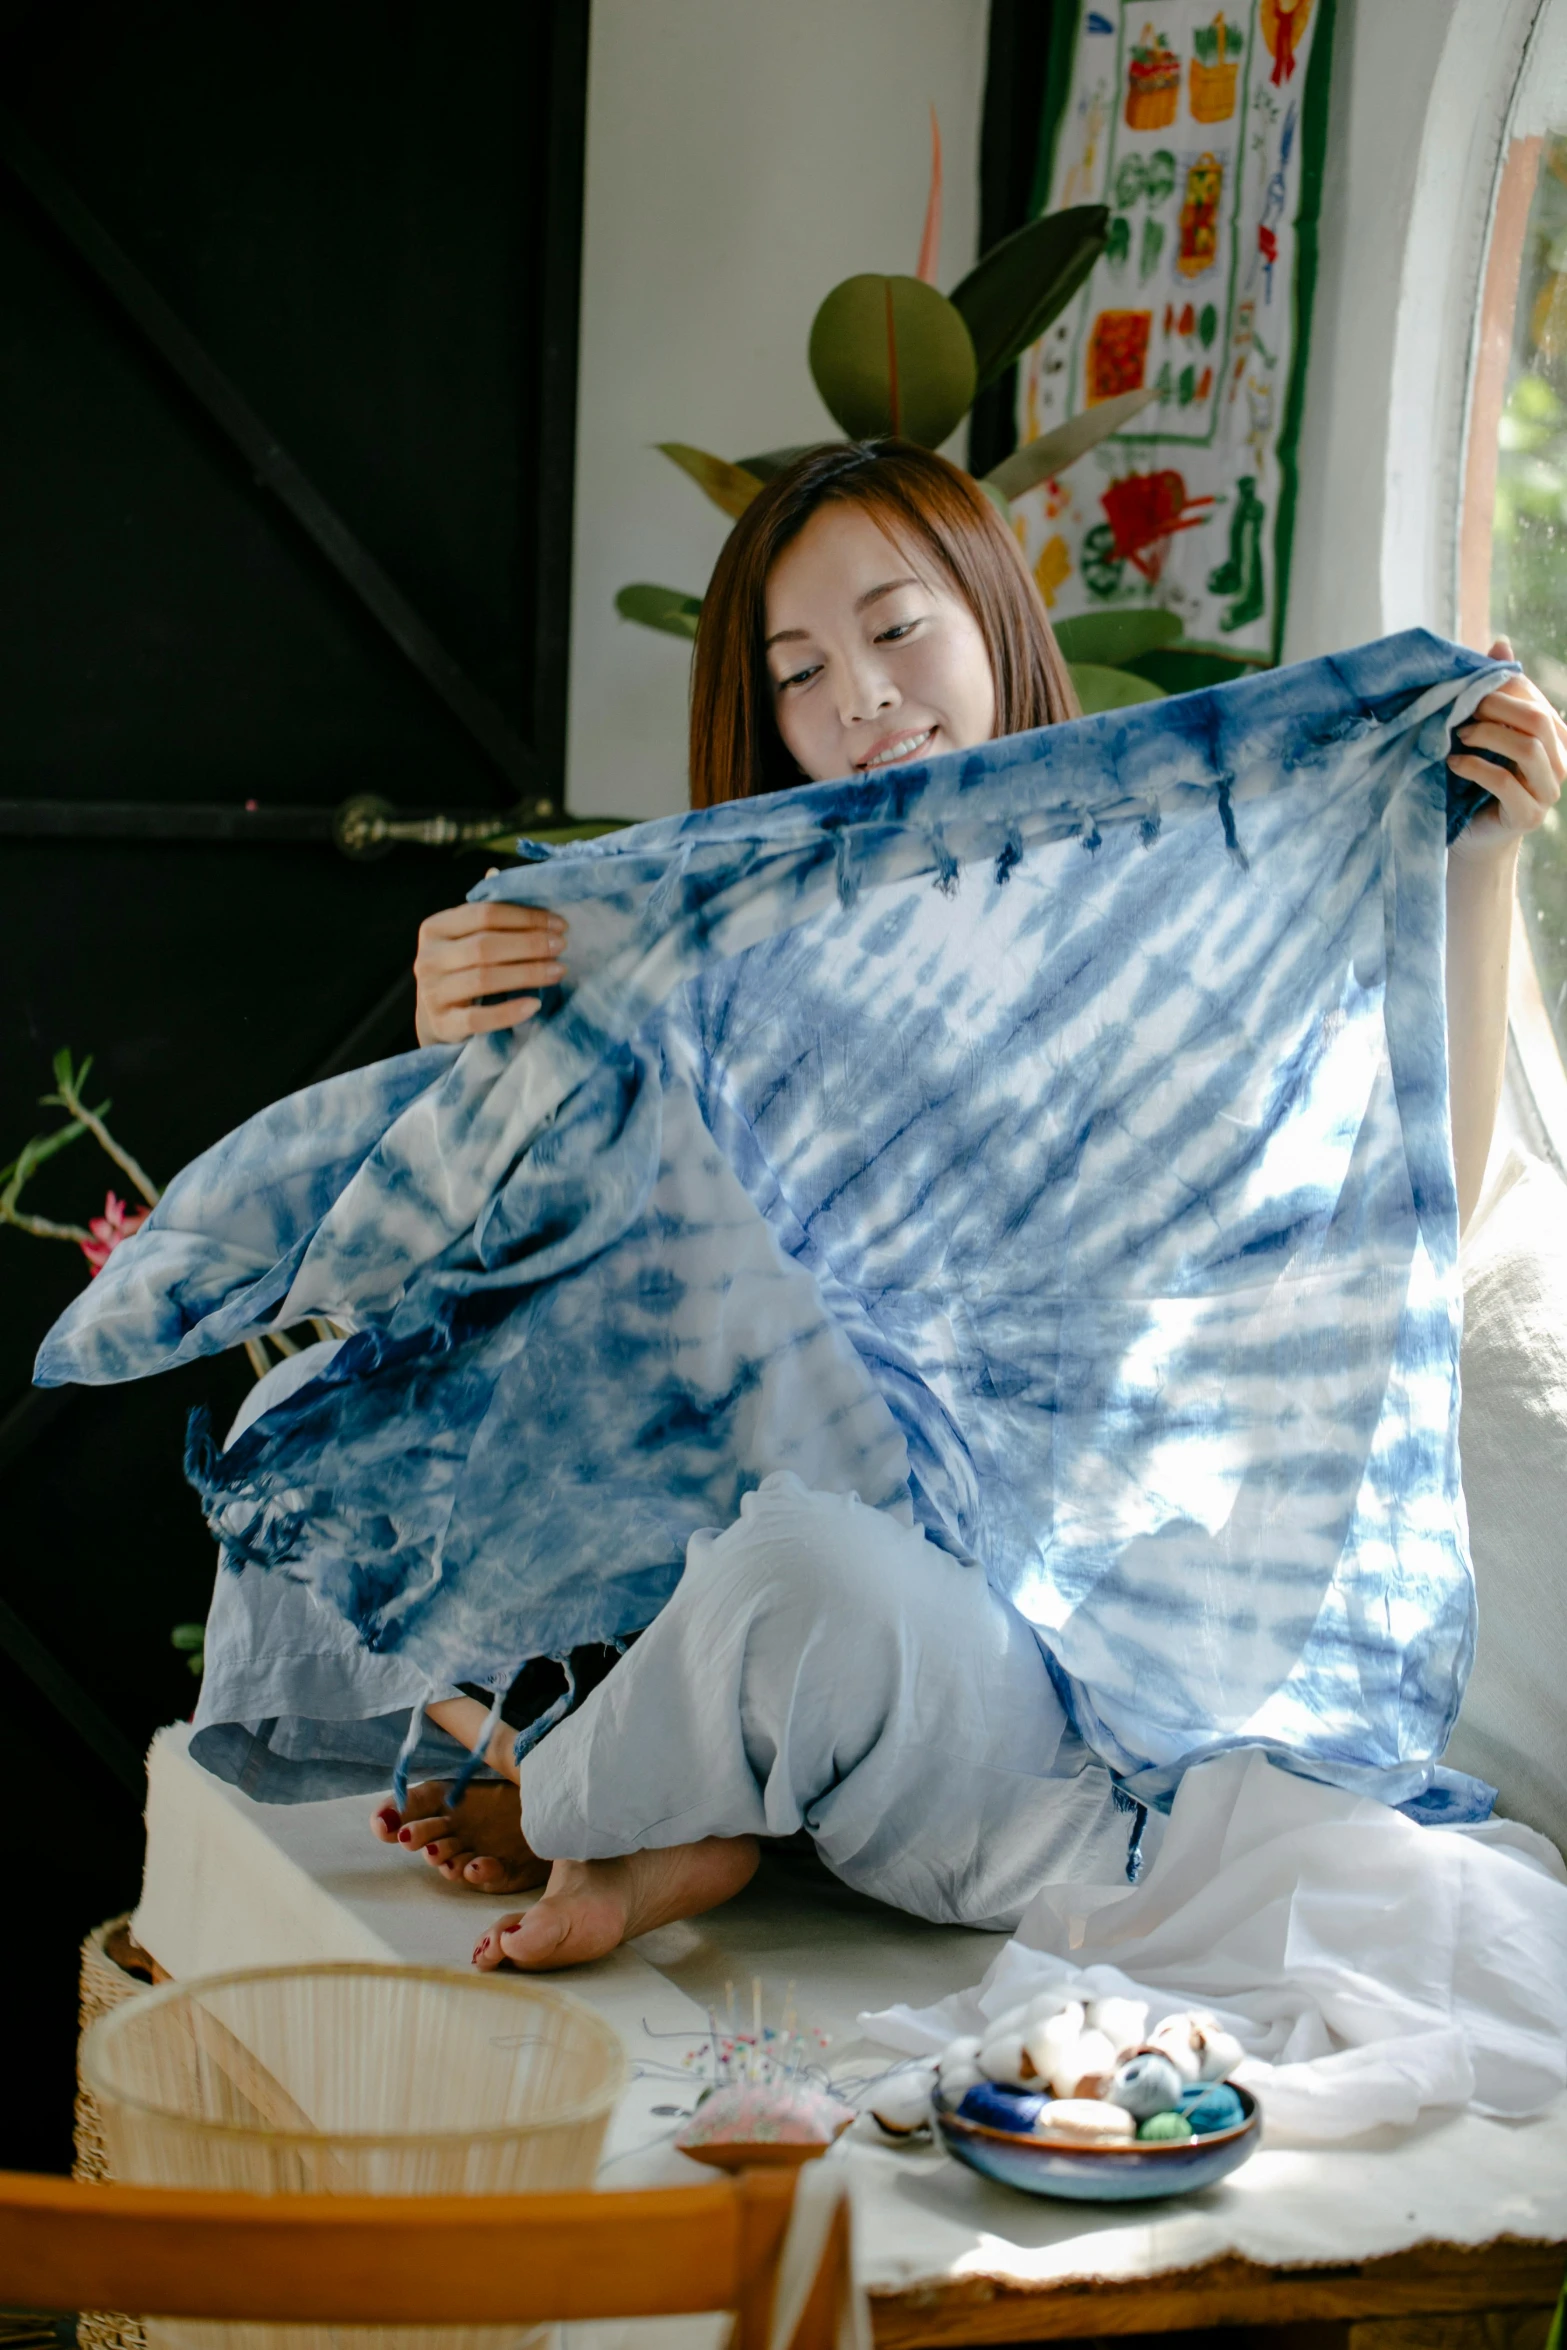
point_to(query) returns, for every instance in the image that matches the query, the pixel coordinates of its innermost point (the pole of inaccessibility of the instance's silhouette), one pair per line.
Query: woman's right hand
(470, 953)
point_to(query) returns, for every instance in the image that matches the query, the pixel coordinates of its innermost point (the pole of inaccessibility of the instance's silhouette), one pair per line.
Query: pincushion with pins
(766, 2101)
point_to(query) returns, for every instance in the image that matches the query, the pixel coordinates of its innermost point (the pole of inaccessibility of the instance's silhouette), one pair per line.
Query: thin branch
(70, 1099)
(34, 1153)
(27, 1161)
(39, 1226)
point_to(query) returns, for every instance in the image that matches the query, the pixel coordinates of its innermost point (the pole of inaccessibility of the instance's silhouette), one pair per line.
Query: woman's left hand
(1518, 723)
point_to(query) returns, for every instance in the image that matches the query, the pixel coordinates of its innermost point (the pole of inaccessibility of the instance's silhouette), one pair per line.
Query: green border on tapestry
(1065, 16)
(1313, 153)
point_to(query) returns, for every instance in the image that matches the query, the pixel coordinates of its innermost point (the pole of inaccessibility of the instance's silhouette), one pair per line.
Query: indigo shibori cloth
(1052, 1139)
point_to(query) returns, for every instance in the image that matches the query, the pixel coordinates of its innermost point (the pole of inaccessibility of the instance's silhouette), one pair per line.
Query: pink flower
(117, 1223)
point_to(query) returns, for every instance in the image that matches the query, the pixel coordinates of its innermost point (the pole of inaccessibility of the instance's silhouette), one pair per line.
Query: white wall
(743, 156)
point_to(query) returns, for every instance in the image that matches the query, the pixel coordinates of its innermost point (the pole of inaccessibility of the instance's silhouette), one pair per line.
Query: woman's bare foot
(592, 1906)
(480, 1844)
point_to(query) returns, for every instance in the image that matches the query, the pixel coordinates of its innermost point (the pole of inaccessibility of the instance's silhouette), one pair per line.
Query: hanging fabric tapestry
(1202, 129)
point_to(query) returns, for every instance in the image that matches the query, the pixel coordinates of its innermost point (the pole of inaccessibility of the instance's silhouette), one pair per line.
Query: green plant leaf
(891, 355)
(191, 1640)
(1016, 289)
(731, 487)
(659, 607)
(773, 461)
(1052, 452)
(1185, 668)
(1109, 689)
(1108, 640)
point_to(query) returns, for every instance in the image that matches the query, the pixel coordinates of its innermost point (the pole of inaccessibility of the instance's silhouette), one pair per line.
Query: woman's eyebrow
(875, 594)
(785, 636)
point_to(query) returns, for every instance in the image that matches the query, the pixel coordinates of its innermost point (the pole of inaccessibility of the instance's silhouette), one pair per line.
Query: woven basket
(1213, 91)
(104, 1985)
(347, 2078)
(1152, 106)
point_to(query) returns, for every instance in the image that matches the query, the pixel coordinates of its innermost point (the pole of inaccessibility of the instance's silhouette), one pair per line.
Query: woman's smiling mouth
(894, 747)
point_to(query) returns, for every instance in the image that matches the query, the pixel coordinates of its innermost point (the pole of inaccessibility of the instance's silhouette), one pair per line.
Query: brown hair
(934, 509)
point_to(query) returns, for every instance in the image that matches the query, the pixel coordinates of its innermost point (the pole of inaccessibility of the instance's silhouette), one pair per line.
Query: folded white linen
(1513, 1728)
(1370, 1968)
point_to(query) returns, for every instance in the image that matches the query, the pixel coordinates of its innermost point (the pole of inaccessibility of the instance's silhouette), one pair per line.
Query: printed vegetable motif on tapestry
(1202, 129)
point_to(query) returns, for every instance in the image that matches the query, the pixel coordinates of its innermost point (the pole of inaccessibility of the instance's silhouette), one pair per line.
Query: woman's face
(874, 659)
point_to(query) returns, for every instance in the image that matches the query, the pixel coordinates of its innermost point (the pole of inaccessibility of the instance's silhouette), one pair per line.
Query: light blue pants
(822, 1665)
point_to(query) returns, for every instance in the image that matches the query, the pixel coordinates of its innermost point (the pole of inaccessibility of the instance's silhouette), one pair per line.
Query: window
(1512, 566)
(1529, 532)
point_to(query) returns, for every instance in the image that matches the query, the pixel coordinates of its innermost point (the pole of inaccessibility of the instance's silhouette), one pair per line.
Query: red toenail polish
(387, 1818)
(405, 1835)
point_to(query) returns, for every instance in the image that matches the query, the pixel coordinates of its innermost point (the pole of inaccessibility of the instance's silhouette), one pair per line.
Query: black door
(287, 386)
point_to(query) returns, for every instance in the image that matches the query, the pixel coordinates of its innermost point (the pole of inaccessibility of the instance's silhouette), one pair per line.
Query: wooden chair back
(365, 2259)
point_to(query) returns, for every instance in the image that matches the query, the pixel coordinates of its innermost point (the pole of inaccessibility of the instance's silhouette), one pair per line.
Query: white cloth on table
(824, 1665)
(821, 2193)
(1513, 1726)
(1372, 1969)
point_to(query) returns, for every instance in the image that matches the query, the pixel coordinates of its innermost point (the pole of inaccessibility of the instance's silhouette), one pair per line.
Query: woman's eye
(898, 630)
(800, 677)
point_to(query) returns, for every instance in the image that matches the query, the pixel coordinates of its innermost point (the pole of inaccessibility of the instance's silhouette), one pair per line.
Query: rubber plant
(893, 355)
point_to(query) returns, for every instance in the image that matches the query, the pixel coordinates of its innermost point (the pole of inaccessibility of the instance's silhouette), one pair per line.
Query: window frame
(1541, 64)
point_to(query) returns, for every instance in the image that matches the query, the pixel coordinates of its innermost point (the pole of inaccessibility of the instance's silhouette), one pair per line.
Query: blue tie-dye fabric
(1053, 1137)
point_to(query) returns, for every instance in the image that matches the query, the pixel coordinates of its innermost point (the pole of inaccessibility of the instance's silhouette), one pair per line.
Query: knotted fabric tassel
(406, 1752)
(946, 864)
(528, 1739)
(1134, 1849)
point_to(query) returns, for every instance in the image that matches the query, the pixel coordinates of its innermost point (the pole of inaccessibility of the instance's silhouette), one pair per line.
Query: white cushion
(1513, 1727)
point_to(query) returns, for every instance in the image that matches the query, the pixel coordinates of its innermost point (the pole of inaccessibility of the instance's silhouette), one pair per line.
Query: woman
(869, 609)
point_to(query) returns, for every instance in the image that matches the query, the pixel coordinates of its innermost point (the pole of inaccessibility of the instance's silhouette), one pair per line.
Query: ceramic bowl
(1101, 2174)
